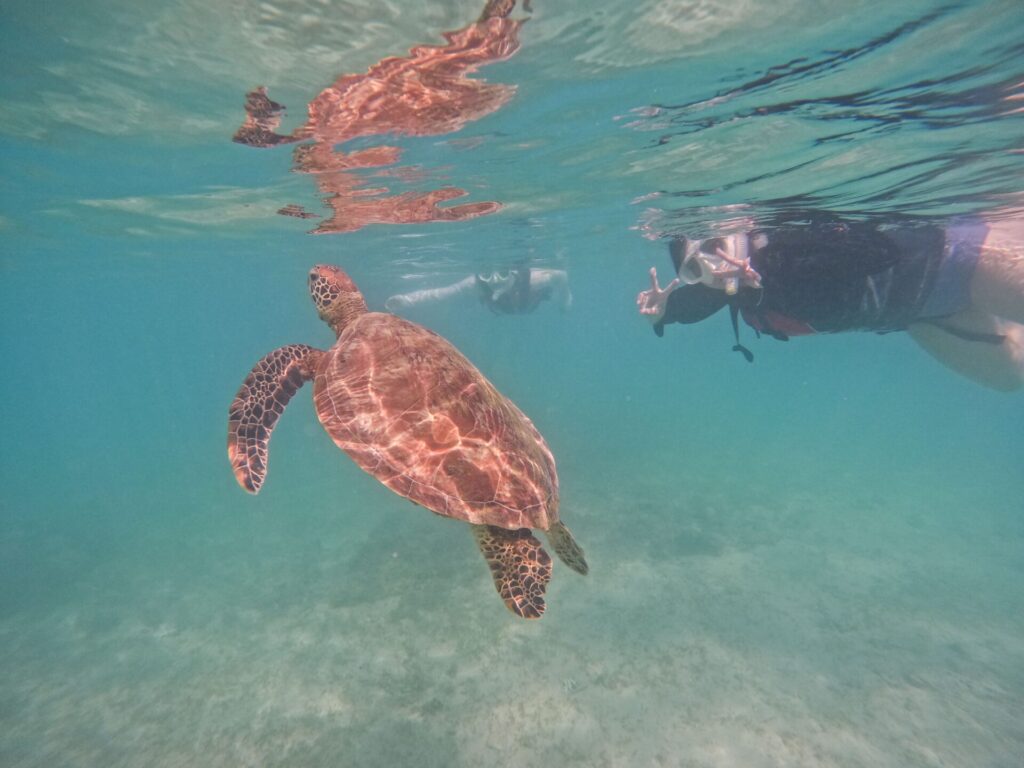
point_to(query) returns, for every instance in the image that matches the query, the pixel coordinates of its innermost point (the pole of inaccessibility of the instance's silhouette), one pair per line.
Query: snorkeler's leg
(998, 283)
(997, 366)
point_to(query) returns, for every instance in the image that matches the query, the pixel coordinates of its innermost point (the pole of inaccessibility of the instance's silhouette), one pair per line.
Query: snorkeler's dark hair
(677, 250)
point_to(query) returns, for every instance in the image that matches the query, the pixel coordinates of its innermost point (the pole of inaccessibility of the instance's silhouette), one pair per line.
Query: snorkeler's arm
(557, 281)
(430, 295)
(564, 294)
(678, 304)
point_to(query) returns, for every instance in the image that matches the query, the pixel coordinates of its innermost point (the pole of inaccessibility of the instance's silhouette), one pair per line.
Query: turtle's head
(337, 299)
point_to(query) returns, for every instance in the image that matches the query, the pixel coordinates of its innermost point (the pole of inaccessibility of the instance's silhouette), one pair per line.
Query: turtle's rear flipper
(565, 546)
(520, 567)
(259, 404)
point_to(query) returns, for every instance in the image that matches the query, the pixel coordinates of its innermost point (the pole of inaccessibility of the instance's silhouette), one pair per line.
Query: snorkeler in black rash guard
(958, 290)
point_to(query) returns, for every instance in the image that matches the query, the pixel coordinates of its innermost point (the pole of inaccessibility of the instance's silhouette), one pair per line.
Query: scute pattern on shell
(412, 411)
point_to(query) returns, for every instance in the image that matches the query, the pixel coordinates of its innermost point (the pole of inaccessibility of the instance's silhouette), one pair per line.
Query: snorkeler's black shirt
(828, 276)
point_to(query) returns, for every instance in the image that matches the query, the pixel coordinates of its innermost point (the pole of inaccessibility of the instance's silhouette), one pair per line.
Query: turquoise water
(814, 560)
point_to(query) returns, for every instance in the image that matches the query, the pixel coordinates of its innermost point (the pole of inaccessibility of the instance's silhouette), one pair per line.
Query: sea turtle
(412, 411)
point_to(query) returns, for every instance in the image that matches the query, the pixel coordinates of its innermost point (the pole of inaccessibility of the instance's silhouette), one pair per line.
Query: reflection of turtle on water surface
(418, 416)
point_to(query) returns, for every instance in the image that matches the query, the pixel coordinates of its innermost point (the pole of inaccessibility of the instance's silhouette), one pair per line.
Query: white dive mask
(719, 262)
(498, 283)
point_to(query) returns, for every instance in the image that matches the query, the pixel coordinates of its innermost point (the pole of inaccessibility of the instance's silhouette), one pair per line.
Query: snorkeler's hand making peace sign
(652, 302)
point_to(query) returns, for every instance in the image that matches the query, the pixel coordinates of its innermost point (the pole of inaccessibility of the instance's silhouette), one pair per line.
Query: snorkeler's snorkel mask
(718, 262)
(495, 284)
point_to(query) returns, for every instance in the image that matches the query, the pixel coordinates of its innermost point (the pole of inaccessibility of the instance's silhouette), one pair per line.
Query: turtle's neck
(346, 308)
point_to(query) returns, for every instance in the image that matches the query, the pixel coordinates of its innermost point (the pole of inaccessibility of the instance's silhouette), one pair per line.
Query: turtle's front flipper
(565, 546)
(259, 404)
(520, 567)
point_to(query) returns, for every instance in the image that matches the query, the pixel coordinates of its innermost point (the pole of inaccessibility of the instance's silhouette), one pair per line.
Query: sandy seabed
(715, 629)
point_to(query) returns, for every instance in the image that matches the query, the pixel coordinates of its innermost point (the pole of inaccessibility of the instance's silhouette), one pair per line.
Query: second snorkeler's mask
(495, 284)
(717, 262)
